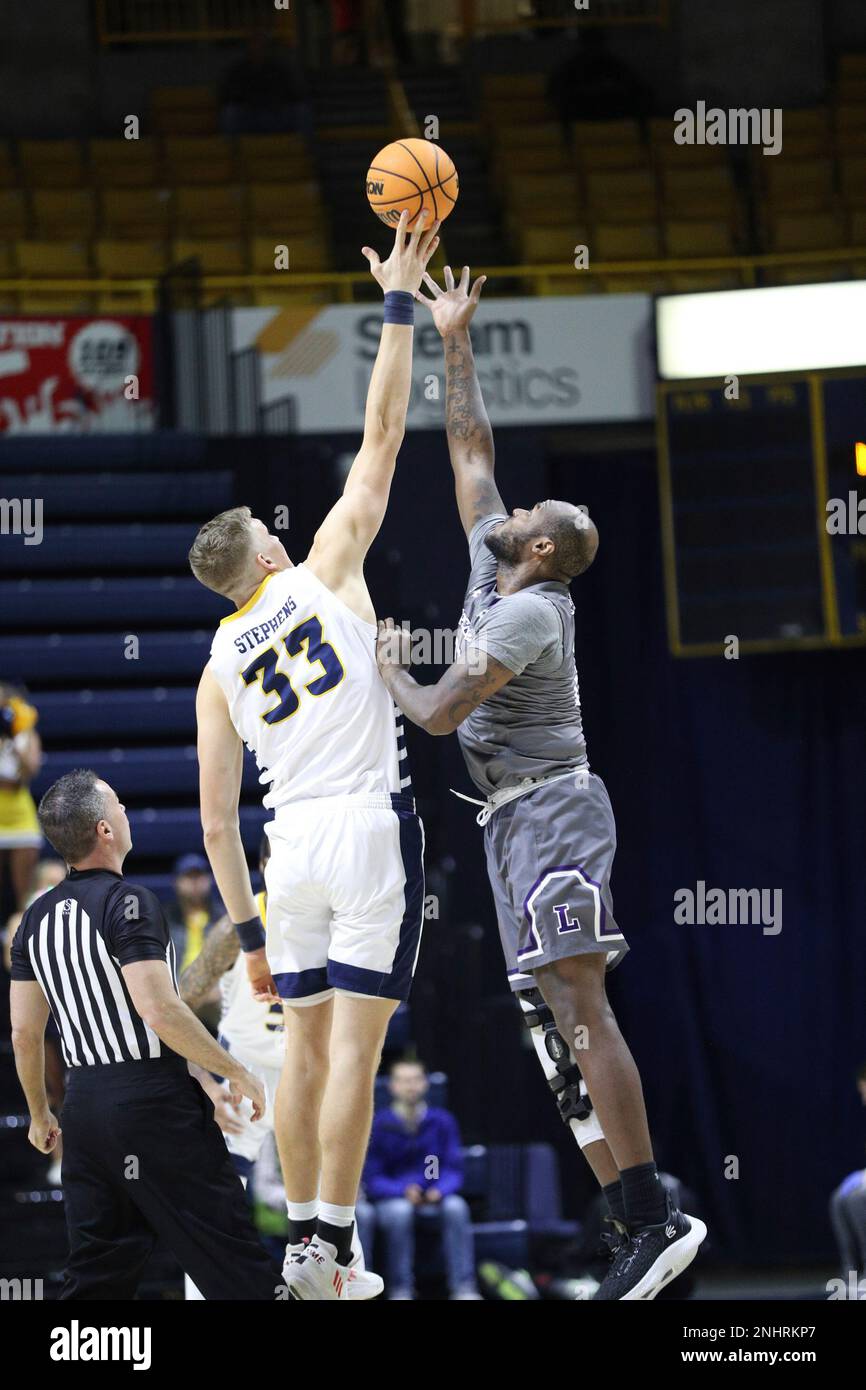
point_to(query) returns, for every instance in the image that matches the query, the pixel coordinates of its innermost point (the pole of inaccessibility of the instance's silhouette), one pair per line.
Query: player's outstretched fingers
(449, 279)
(372, 257)
(464, 279)
(430, 250)
(431, 285)
(428, 238)
(475, 292)
(421, 226)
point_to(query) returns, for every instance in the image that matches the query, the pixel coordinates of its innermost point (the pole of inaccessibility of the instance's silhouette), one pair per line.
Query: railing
(479, 17)
(181, 21)
(533, 279)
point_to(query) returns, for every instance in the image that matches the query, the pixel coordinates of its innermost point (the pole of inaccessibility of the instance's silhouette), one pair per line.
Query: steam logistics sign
(540, 361)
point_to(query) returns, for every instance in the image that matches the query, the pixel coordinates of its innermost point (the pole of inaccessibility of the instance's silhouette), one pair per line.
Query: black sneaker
(652, 1257)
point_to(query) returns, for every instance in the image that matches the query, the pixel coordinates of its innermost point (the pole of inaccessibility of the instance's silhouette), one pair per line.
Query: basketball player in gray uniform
(549, 832)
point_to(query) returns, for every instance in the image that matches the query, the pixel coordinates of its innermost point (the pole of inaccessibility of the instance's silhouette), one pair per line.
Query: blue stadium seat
(72, 453)
(156, 547)
(166, 834)
(66, 715)
(70, 657)
(138, 773)
(87, 603)
(124, 494)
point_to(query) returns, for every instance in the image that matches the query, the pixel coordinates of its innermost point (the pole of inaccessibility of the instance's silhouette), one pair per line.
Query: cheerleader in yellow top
(20, 760)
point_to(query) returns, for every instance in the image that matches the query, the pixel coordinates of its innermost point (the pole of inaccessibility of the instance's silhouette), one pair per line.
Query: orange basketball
(411, 174)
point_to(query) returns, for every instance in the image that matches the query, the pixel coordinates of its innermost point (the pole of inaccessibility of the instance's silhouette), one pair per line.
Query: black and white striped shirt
(74, 941)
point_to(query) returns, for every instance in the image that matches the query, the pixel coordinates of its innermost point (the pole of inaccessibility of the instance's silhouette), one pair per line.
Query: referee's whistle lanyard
(522, 788)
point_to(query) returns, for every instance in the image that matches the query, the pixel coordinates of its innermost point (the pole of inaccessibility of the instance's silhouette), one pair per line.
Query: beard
(503, 547)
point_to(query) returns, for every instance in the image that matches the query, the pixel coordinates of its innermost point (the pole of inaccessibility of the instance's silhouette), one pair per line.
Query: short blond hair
(222, 549)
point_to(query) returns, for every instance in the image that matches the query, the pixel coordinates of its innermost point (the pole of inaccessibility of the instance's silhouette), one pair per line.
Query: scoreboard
(762, 485)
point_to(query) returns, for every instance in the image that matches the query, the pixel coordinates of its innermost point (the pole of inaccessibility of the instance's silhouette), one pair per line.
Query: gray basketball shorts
(549, 860)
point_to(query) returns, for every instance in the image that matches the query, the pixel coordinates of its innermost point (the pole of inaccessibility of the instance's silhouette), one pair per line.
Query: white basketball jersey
(298, 669)
(253, 1031)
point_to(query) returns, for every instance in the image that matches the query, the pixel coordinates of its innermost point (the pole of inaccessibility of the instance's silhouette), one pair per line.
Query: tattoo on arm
(470, 438)
(218, 954)
(473, 688)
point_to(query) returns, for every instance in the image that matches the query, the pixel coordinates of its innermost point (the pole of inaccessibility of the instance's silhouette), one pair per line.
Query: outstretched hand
(407, 263)
(453, 307)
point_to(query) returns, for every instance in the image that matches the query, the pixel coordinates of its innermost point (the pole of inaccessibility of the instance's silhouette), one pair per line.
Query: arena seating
(114, 679)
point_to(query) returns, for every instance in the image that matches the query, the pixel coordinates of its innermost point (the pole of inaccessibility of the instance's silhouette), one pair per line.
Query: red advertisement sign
(76, 375)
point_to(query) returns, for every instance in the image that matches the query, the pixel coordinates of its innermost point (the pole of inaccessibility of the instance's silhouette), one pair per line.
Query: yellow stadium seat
(506, 84)
(590, 157)
(8, 168)
(511, 135)
(124, 163)
(7, 261)
(698, 237)
(531, 159)
(198, 159)
(807, 120)
(798, 184)
(51, 163)
(65, 212)
(273, 159)
(215, 256)
(806, 231)
(136, 212)
(850, 90)
(631, 241)
(13, 213)
(857, 227)
(128, 259)
(531, 191)
(852, 64)
(852, 179)
(849, 115)
(816, 144)
(668, 154)
(269, 200)
(497, 115)
(606, 133)
(210, 210)
(628, 195)
(697, 192)
(305, 253)
(69, 260)
(541, 245)
(184, 110)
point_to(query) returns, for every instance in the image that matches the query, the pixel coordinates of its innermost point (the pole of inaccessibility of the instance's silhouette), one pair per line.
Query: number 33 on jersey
(298, 670)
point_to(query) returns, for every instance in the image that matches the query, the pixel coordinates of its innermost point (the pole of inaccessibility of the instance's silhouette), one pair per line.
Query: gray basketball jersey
(532, 726)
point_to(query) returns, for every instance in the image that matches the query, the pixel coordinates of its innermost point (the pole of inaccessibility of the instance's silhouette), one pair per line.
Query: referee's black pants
(143, 1158)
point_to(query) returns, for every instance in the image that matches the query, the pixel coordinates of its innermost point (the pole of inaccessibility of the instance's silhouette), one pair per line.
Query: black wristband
(251, 934)
(399, 307)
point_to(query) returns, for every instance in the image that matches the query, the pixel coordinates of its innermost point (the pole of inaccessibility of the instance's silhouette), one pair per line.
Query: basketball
(411, 174)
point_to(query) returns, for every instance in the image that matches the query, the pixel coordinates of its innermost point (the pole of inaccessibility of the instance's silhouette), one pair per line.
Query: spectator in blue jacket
(413, 1174)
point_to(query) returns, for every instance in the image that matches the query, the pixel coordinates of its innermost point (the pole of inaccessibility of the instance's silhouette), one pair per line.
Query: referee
(142, 1155)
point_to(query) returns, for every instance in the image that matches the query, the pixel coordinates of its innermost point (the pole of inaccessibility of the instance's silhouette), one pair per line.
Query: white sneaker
(311, 1272)
(362, 1282)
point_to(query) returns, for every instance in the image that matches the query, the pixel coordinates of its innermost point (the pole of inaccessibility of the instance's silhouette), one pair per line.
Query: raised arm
(470, 438)
(351, 526)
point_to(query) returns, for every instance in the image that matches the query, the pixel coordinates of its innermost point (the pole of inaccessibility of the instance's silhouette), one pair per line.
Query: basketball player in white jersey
(252, 1031)
(293, 675)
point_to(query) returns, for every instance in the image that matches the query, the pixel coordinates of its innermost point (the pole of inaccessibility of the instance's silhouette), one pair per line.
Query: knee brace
(560, 1069)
